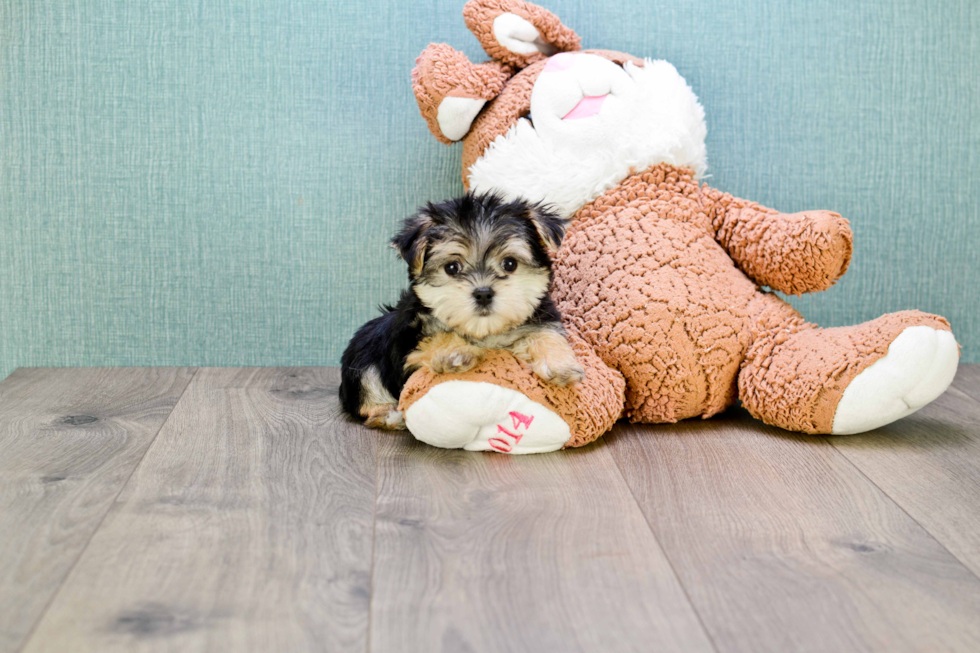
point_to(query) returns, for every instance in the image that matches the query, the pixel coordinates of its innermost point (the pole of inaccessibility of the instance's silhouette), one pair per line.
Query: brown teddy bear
(659, 279)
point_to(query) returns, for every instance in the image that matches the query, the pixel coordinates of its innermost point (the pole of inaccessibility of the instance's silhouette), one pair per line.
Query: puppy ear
(451, 90)
(516, 32)
(411, 241)
(549, 226)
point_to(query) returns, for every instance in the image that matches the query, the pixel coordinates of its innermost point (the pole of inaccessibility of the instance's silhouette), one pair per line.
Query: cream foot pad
(485, 417)
(919, 366)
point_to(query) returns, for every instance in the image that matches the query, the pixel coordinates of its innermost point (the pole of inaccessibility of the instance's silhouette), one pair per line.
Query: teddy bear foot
(479, 416)
(920, 364)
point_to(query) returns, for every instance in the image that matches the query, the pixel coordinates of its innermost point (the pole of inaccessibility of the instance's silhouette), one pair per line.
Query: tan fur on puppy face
(516, 293)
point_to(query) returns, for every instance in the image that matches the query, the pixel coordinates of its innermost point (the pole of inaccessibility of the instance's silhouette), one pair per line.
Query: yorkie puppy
(480, 270)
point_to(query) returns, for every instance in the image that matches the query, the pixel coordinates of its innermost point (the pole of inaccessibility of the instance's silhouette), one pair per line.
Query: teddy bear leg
(501, 405)
(849, 379)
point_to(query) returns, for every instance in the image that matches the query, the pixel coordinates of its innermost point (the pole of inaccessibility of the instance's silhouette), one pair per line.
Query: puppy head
(480, 264)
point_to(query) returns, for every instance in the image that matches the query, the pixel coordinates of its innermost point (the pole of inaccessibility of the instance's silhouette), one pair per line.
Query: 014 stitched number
(505, 440)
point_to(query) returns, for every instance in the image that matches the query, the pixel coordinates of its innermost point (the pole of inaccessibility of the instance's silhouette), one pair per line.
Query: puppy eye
(509, 264)
(452, 269)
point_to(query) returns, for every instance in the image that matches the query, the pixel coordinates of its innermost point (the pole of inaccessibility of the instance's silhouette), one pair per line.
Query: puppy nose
(483, 296)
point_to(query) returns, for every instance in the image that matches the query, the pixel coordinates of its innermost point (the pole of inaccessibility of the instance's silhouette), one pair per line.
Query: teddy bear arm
(794, 253)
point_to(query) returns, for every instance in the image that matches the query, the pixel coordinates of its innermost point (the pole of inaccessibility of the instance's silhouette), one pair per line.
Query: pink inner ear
(559, 62)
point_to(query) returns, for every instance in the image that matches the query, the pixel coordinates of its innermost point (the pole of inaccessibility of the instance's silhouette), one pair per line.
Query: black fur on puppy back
(383, 343)
(480, 215)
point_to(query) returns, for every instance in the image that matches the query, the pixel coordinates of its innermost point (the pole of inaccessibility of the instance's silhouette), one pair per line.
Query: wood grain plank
(69, 439)
(484, 552)
(967, 380)
(782, 545)
(247, 527)
(929, 464)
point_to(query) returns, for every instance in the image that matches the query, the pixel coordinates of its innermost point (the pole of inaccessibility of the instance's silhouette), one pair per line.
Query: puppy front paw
(444, 353)
(561, 373)
(455, 361)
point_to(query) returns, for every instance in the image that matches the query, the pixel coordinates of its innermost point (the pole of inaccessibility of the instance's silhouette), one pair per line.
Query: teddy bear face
(546, 121)
(568, 128)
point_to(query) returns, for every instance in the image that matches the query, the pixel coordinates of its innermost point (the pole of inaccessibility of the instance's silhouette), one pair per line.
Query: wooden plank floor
(238, 510)
(69, 441)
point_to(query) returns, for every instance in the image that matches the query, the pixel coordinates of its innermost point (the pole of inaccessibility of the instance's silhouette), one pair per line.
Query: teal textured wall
(213, 182)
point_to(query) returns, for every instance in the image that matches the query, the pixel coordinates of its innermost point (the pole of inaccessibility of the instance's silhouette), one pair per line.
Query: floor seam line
(374, 539)
(57, 592)
(670, 563)
(899, 506)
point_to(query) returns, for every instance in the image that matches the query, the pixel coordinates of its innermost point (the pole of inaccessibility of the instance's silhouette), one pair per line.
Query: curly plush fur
(660, 277)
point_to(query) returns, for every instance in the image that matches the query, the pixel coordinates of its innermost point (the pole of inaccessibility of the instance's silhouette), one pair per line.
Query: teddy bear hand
(502, 405)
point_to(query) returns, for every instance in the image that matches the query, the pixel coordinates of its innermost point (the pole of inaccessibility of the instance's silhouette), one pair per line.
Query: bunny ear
(451, 90)
(516, 32)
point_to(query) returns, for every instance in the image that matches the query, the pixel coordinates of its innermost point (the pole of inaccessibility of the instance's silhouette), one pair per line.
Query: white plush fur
(920, 364)
(649, 116)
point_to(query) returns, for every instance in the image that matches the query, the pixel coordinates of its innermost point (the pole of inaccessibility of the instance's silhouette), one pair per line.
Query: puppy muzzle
(483, 296)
